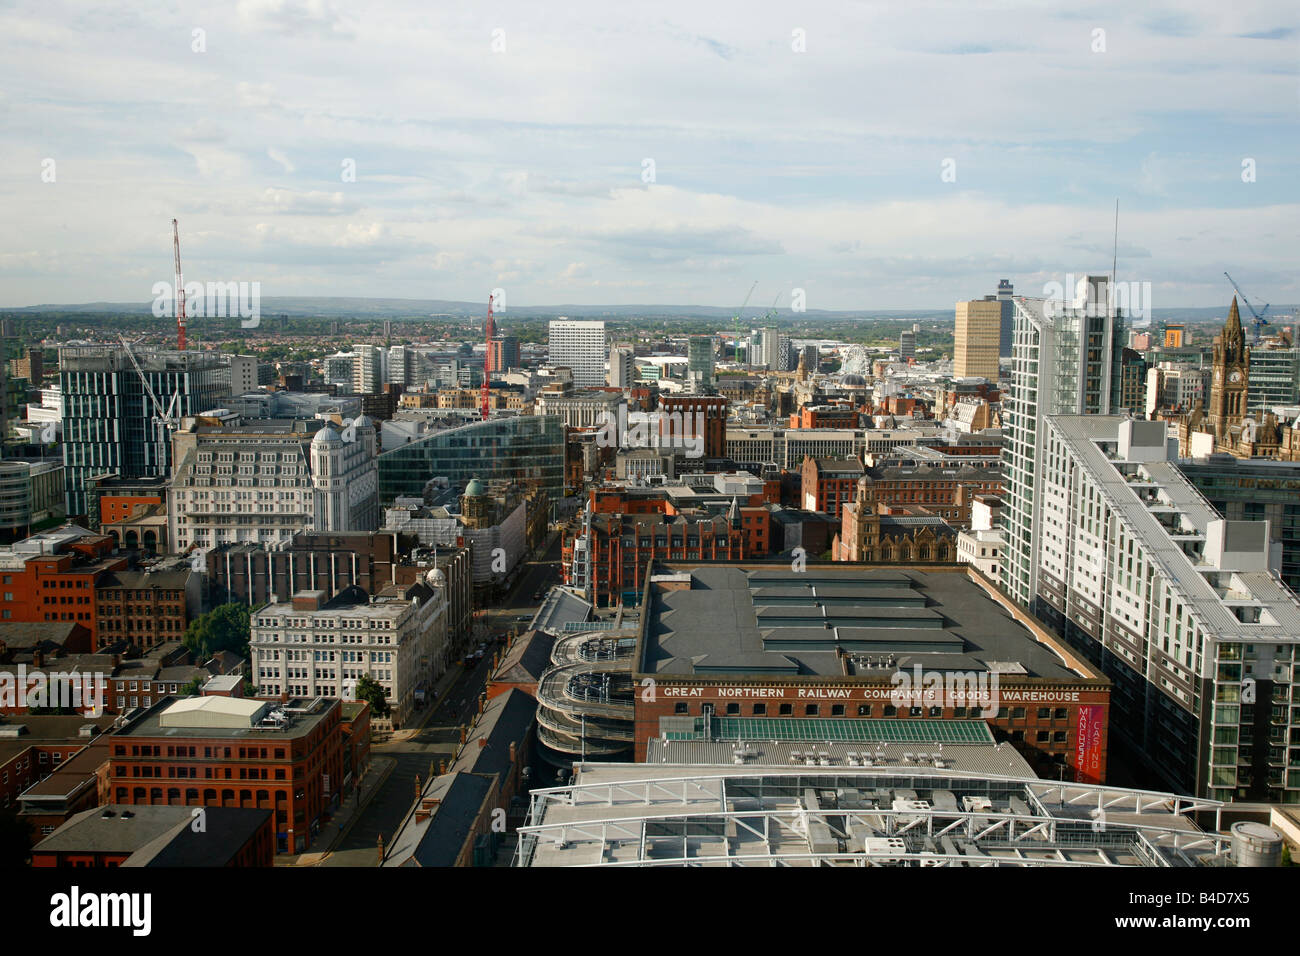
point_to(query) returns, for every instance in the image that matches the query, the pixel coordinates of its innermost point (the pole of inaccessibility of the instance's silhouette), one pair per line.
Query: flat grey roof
(717, 627)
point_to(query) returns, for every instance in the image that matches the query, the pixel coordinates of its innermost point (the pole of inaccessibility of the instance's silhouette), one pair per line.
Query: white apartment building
(1064, 361)
(984, 545)
(369, 369)
(581, 347)
(265, 481)
(1182, 610)
(311, 647)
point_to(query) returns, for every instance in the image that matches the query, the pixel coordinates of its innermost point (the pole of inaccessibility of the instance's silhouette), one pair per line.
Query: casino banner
(1088, 744)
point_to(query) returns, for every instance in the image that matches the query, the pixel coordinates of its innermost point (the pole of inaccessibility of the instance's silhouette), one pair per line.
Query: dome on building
(855, 380)
(363, 421)
(327, 436)
(436, 578)
(475, 488)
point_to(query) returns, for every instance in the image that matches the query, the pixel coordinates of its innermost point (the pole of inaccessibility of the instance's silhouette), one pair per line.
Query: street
(418, 750)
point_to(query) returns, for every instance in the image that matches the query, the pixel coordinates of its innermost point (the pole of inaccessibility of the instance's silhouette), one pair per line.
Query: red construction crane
(180, 289)
(487, 363)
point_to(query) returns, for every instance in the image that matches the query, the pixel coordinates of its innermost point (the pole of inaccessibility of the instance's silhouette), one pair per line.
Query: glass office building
(110, 423)
(523, 448)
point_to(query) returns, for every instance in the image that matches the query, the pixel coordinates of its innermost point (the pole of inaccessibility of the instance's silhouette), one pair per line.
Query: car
(524, 618)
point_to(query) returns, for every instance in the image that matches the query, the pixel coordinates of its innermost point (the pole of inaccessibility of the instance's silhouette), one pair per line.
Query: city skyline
(873, 158)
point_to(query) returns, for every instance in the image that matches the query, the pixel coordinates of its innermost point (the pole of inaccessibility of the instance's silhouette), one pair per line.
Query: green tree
(373, 694)
(192, 688)
(224, 628)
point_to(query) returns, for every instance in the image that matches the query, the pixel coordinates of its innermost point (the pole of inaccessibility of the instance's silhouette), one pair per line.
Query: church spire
(1233, 328)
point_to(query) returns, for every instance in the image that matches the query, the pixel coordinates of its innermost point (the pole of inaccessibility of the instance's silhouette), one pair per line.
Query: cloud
(316, 18)
(770, 164)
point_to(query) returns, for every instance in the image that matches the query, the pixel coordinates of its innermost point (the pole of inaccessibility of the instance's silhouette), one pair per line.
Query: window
(760, 710)
(864, 710)
(1060, 714)
(786, 710)
(680, 708)
(1043, 736)
(1044, 713)
(1018, 713)
(811, 710)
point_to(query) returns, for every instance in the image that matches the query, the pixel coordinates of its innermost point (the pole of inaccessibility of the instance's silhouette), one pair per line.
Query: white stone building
(264, 481)
(313, 647)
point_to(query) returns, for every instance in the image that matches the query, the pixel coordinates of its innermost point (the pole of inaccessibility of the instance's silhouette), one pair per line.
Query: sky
(871, 156)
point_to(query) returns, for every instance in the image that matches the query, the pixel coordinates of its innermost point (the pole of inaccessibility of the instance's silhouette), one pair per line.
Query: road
(437, 736)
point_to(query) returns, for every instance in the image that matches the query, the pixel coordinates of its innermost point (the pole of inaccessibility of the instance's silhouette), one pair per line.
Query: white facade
(263, 484)
(579, 346)
(1063, 360)
(1184, 611)
(345, 475)
(399, 643)
(369, 369)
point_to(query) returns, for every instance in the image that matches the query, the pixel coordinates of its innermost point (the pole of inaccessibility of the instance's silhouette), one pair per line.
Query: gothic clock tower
(1231, 373)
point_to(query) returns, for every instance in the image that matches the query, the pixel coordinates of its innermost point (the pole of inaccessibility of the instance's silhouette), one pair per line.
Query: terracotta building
(827, 483)
(229, 752)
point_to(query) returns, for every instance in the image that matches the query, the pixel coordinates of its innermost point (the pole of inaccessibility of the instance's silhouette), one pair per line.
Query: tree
(224, 628)
(373, 694)
(192, 688)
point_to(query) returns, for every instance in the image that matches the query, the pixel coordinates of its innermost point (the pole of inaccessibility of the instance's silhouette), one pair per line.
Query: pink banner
(1087, 748)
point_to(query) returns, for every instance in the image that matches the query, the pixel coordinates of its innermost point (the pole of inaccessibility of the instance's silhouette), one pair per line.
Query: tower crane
(180, 288)
(736, 319)
(164, 421)
(1259, 320)
(772, 311)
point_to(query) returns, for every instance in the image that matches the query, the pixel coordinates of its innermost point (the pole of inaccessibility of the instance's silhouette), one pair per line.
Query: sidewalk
(378, 771)
(440, 689)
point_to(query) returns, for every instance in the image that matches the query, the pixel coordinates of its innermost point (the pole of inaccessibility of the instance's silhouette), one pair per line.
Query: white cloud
(769, 164)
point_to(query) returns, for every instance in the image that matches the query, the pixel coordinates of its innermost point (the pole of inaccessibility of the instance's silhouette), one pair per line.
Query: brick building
(827, 483)
(944, 492)
(52, 577)
(145, 608)
(229, 752)
(680, 418)
(115, 835)
(762, 652)
(826, 416)
(608, 555)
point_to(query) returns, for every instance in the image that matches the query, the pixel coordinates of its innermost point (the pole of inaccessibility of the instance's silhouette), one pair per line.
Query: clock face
(1235, 376)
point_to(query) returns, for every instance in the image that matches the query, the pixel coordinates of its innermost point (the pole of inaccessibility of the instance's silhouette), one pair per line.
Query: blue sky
(523, 167)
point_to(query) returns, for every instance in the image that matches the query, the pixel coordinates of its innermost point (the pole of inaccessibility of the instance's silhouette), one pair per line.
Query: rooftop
(827, 621)
(228, 718)
(158, 832)
(693, 814)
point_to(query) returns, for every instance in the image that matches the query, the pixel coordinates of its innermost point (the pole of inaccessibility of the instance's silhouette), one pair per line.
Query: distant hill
(419, 309)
